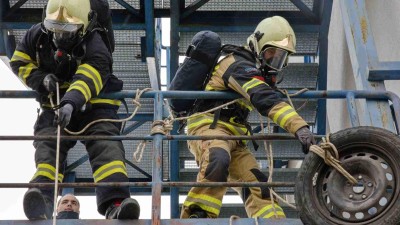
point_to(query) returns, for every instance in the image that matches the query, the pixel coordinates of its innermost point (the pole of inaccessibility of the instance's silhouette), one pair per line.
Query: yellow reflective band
(105, 101)
(252, 83)
(48, 171)
(201, 120)
(47, 166)
(48, 175)
(25, 71)
(245, 104)
(209, 88)
(206, 198)
(267, 210)
(110, 172)
(286, 117)
(21, 57)
(108, 169)
(278, 213)
(93, 74)
(280, 112)
(81, 87)
(202, 206)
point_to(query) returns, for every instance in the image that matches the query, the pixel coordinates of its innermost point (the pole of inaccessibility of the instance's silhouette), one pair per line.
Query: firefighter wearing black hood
(63, 50)
(249, 71)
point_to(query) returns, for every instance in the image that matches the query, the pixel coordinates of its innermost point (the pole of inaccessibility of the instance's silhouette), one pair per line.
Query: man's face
(68, 203)
(274, 58)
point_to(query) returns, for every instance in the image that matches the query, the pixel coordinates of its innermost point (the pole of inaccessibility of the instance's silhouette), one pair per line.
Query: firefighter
(249, 71)
(63, 50)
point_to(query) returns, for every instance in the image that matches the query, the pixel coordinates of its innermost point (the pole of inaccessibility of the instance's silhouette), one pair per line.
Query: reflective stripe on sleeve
(90, 72)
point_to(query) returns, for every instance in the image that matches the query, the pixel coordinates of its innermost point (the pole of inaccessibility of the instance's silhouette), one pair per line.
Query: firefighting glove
(49, 82)
(64, 115)
(306, 138)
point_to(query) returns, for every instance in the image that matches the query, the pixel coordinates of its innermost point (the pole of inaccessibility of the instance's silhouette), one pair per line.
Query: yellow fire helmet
(273, 41)
(67, 19)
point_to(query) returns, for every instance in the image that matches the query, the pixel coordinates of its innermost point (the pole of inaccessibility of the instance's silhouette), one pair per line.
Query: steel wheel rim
(370, 198)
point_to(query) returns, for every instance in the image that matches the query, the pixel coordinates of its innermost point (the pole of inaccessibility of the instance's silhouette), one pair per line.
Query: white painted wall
(385, 25)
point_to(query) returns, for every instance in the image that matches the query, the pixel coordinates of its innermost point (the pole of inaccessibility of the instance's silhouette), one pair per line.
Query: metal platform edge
(219, 221)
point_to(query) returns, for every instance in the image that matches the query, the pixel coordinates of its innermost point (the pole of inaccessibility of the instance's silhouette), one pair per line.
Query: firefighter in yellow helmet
(249, 71)
(63, 50)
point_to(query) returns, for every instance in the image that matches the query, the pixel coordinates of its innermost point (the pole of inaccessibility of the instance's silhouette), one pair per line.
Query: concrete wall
(384, 20)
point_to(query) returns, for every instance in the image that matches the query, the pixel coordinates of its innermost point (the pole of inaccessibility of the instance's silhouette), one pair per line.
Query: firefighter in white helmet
(249, 71)
(62, 49)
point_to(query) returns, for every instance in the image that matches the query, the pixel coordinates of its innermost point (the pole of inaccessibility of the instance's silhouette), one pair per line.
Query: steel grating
(240, 5)
(307, 43)
(299, 76)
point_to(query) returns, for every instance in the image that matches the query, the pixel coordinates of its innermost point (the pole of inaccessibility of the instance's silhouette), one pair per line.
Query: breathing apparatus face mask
(65, 35)
(274, 58)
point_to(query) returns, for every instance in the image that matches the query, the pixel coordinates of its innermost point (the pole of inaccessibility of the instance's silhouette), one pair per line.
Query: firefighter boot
(196, 212)
(36, 206)
(128, 209)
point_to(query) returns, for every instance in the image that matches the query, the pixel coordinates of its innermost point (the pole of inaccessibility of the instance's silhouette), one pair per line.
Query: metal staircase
(137, 61)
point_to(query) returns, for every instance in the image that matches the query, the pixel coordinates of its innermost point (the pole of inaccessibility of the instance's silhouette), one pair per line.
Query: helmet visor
(275, 58)
(60, 27)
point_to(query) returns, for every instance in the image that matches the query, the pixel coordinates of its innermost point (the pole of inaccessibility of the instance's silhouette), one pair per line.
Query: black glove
(49, 82)
(306, 138)
(64, 115)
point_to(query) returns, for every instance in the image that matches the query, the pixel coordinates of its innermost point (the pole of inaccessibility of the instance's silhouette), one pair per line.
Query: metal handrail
(157, 139)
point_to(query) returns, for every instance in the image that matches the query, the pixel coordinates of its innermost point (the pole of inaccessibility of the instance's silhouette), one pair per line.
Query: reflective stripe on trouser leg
(244, 168)
(211, 156)
(107, 159)
(45, 153)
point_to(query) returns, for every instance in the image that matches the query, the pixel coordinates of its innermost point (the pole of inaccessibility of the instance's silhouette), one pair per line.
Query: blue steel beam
(174, 38)
(149, 22)
(129, 8)
(193, 7)
(385, 71)
(307, 12)
(363, 56)
(157, 162)
(322, 84)
(242, 18)
(245, 28)
(24, 18)
(4, 7)
(173, 155)
(383, 96)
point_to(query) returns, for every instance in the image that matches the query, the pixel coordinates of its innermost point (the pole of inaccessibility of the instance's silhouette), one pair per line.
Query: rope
(57, 160)
(329, 153)
(139, 150)
(286, 93)
(135, 101)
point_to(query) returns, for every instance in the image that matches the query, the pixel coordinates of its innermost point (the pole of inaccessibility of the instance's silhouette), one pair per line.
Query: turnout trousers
(106, 156)
(227, 160)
